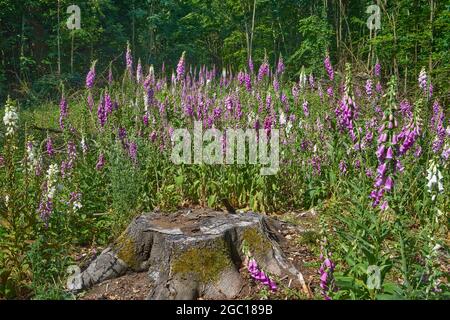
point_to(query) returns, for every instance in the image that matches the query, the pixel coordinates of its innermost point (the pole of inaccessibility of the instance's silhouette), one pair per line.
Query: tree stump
(190, 254)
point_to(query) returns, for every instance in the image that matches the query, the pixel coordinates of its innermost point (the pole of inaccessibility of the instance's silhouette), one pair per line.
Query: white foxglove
(288, 128)
(51, 177)
(32, 160)
(11, 118)
(302, 80)
(84, 146)
(146, 102)
(282, 118)
(434, 178)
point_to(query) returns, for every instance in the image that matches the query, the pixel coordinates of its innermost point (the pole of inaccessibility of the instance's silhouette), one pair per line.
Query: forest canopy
(38, 51)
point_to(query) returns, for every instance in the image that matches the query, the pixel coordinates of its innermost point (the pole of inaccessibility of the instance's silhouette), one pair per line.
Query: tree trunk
(22, 50)
(432, 37)
(192, 254)
(59, 41)
(71, 51)
(253, 28)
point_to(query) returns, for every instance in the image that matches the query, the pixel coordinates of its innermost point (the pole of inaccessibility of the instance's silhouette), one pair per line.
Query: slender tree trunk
(133, 24)
(406, 79)
(416, 27)
(92, 51)
(247, 41)
(274, 43)
(152, 34)
(59, 41)
(395, 47)
(349, 33)
(432, 39)
(253, 27)
(337, 27)
(340, 26)
(282, 35)
(71, 52)
(22, 45)
(369, 56)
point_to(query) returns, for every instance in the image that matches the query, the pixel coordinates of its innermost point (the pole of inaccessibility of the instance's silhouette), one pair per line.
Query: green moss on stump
(204, 263)
(258, 243)
(126, 250)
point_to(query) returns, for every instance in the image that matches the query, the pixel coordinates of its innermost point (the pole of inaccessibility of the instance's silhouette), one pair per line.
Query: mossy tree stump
(190, 254)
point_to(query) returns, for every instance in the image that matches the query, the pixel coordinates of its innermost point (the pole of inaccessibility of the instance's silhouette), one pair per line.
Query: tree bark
(192, 254)
(59, 40)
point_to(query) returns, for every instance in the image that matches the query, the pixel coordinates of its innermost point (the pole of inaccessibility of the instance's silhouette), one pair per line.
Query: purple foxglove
(389, 153)
(330, 92)
(181, 67)
(369, 87)
(90, 78)
(129, 59)
(389, 184)
(382, 169)
(381, 152)
(329, 67)
(423, 79)
(100, 162)
(250, 65)
(280, 66)
(377, 69)
(263, 70)
(63, 112)
(305, 108)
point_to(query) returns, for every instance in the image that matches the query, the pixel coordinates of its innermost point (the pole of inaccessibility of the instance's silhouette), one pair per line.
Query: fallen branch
(46, 129)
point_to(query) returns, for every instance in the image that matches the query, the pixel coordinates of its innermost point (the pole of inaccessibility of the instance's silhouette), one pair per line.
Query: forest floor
(299, 244)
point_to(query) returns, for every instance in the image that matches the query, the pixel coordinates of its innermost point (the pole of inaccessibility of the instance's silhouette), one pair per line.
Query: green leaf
(212, 200)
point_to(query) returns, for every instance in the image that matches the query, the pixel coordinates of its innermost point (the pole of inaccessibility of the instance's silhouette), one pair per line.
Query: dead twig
(305, 287)
(46, 129)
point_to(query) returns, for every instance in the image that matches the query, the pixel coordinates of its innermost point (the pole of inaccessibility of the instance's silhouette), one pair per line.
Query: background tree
(220, 32)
